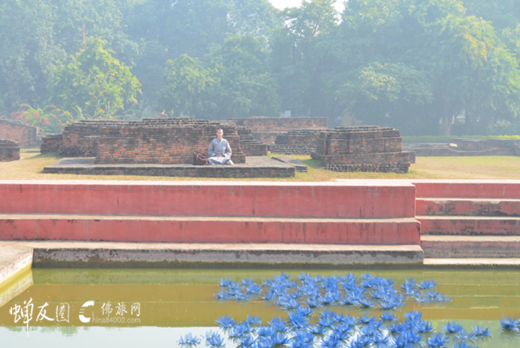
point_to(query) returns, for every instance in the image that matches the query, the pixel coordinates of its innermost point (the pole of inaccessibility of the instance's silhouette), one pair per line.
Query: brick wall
(362, 148)
(297, 142)
(162, 141)
(9, 151)
(266, 129)
(250, 146)
(51, 143)
(23, 134)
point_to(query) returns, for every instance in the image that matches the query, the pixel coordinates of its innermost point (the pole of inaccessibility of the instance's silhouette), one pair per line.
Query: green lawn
(504, 167)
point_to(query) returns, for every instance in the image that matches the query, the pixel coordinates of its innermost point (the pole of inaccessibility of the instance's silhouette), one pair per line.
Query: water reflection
(173, 300)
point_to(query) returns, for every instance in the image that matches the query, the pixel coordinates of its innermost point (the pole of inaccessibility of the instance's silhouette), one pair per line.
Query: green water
(174, 302)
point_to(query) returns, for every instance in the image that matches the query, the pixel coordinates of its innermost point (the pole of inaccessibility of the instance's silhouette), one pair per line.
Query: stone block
(23, 134)
(9, 151)
(51, 143)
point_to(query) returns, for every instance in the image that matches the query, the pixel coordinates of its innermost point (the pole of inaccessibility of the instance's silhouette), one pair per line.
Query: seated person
(219, 151)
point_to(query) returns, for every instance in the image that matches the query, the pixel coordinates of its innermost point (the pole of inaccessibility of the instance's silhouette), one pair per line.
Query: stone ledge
(14, 259)
(76, 254)
(255, 167)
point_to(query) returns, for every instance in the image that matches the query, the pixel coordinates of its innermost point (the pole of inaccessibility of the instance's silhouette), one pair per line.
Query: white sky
(281, 4)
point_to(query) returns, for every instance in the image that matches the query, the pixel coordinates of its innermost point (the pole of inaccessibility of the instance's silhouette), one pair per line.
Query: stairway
(360, 221)
(469, 220)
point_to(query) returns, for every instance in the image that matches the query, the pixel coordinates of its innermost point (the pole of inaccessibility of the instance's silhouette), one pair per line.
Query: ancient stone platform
(23, 134)
(51, 143)
(9, 151)
(249, 145)
(255, 167)
(297, 142)
(148, 141)
(362, 148)
(266, 129)
(467, 147)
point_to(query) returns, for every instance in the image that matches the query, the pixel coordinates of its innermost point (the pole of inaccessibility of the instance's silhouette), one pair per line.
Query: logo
(82, 318)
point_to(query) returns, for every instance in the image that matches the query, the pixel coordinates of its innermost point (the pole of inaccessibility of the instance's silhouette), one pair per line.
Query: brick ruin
(487, 147)
(297, 142)
(149, 141)
(249, 145)
(23, 134)
(362, 148)
(9, 151)
(266, 129)
(51, 143)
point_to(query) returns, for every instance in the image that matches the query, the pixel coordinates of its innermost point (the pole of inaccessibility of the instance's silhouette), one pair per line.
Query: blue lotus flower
(361, 342)
(423, 326)
(481, 331)
(442, 298)
(436, 341)
(386, 316)
(313, 301)
(189, 340)
(509, 324)
(381, 340)
(292, 304)
(319, 330)
(413, 315)
(326, 321)
(278, 325)
(225, 282)
(298, 321)
(254, 320)
(247, 341)
(395, 329)
(222, 295)
(366, 319)
(226, 322)
(427, 284)
(279, 339)
(464, 336)
(453, 328)
(366, 303)
(214, 340)
(254, 289)
(265, 331)
(305, 311)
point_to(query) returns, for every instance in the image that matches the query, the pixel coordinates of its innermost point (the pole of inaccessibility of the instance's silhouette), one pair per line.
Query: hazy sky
(292, 3)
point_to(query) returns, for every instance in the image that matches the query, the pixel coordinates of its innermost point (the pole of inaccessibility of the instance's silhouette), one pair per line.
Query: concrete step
(473, 262)
(467, 207)
(467, 188)
(200, 229)
(471, 247)
(470, 225)
(104, 254)
(352, 199)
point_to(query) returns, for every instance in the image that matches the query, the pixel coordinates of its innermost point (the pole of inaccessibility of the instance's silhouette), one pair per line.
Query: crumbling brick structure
(297, 142)
(266, 129)
(51, 143)
(9, 151)
(250, 146)
(362, 148)
(23, 134)
(152, 141)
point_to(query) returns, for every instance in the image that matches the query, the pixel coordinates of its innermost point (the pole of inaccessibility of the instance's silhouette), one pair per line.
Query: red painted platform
(470, 225)
(209, 229)
(467, 207)
(467, 188)
(352, 199)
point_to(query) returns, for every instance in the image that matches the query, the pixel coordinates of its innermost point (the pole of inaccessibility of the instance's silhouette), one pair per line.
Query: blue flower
(254, 320)
(509, 324)
(254, 289)
(226, 322)
(438, 340)
(366, 303)
(453, 328)
(481, 331)
(189, 340)
(423, 326)
(427, 284)
(214, 340)
(225, 282)
(386, 316)
(278, 325)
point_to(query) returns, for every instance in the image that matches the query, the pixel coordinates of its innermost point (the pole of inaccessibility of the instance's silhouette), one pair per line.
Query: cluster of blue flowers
(328, 329)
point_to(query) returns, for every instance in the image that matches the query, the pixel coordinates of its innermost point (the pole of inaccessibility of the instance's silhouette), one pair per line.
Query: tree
(94, 82)
(246, 87)
(189, 88)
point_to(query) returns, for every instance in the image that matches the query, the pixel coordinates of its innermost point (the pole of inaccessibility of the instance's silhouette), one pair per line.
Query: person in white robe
(219, 151)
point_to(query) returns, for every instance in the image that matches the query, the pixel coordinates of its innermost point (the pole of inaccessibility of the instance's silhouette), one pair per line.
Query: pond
(135, 308)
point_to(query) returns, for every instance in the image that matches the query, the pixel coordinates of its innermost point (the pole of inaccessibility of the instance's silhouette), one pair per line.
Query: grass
(30, 167)
(445, 139)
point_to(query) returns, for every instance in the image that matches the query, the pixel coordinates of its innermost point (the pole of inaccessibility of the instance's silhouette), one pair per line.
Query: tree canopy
(425, 67)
